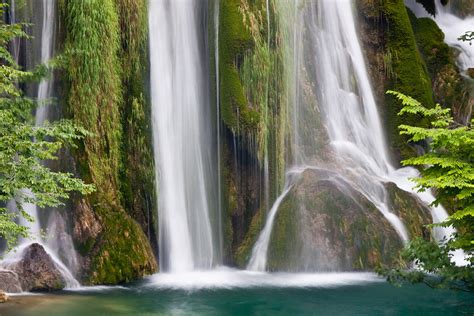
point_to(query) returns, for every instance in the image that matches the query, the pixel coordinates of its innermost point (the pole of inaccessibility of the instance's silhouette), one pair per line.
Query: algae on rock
(118, 251)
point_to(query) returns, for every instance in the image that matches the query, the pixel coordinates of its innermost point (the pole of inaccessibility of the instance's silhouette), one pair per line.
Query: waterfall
(331, 55)
(218, 122)
(182, 134)
(453, 27)
(258, 259)
(57, 243)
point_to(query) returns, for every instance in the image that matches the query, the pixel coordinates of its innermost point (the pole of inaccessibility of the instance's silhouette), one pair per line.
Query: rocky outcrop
(394, 64)
(9, 282)
(37, 271)
(450, 89)
(326, 224)
(106, 95)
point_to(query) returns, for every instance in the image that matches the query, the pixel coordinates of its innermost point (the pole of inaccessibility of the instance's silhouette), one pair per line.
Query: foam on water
(227, 278)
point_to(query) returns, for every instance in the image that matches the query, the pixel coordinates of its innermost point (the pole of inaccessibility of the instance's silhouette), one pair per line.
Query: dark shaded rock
(9, 282)
(449, 87)
(394, 63)
(470, 72)
(429, 6)
(37, 270)
(410, 209)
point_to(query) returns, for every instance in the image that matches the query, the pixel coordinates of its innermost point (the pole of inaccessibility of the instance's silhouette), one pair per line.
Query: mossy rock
(244, 251)
(234, 40)
(122, 252)
(409, 73)
(101, 98)
(450, 88)
(414, 213)
(395, 64)
(325, 224)
(430, 41)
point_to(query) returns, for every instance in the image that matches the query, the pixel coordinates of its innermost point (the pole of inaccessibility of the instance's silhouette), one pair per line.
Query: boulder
(9, 281)
(37, 271)
(3, 297)
(326, 224)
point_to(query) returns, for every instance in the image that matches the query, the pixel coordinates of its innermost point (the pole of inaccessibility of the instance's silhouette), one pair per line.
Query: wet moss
(93, 64)
(430, 41)
(234, 40)
(137, 176)
(410, 72)
(449, 87)
(326, 225)
(286, 241)
(411, 210)
(244, 251)
(121, 254)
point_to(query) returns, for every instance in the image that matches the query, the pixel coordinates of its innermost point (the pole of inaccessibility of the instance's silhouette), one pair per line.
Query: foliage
(449, 169)
(467, 37)
(234, 41)
(104, 40)
(23, 146)
(92, 72)
(137, 176)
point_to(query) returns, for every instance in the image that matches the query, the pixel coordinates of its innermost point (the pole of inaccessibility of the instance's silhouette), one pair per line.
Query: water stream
(57, 241)
(182, 135)
(331, 55)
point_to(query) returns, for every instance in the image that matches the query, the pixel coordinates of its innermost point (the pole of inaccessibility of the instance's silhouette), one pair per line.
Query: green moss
(244, 251)
(94, 62)
(414, 214)
(411, 77)
(324, 225)
(430, 40)
(285, 239)
(449, 87)
(234, 40)
(137, 176)
(120, 257)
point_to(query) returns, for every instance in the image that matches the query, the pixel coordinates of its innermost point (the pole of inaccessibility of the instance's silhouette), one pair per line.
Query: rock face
(324, 224)
(9, 282)
(37, 270)
(3, 297)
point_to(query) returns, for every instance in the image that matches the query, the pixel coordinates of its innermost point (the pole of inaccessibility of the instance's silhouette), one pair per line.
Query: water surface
(349, 294)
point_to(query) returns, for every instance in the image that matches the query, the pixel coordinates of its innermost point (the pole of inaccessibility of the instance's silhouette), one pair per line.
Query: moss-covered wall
(137, 177)
(252, 112)
(409, 74)
(97, 62)
(449, 87)
(395, 64)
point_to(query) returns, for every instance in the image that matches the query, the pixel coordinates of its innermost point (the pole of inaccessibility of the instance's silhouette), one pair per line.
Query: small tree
(23, 146)
(448, 168)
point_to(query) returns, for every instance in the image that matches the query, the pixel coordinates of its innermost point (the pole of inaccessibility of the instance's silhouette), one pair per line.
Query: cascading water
(58, 243)
(218, 122)
(183, 142)
(323, 45)
(453, 27)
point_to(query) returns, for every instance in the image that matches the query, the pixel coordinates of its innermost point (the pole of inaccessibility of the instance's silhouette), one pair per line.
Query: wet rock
(470, 72)
(37, 271)
(9, 282)
(86, 224)
(326, 224)
(3, 297)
